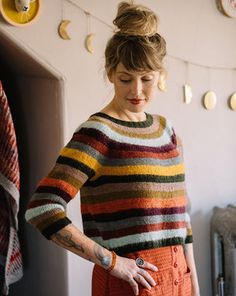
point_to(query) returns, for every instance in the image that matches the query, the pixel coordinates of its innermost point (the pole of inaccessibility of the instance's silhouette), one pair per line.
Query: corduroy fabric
(131, 180)
(173, 277)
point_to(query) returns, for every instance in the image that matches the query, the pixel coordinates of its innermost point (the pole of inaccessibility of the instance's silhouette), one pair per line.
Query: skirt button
(175, 249)
(175, 265)
(176, 282)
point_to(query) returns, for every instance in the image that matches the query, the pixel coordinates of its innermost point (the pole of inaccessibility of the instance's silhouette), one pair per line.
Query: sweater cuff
(55, 227)
(189, 239)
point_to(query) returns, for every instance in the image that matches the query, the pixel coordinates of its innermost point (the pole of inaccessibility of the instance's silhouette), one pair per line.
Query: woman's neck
(123, 114)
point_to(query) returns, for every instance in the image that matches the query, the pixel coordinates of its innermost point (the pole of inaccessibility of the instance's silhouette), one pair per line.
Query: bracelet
(113, 262)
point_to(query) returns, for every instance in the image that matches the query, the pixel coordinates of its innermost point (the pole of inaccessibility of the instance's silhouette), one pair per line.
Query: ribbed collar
(145, 123)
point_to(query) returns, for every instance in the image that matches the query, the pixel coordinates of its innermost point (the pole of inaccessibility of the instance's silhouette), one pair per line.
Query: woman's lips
(135, 101)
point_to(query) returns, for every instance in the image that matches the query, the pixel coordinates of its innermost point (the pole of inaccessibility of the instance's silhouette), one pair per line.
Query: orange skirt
(172, 278)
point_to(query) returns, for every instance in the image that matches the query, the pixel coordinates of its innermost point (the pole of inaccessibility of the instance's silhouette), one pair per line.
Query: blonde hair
(136, 43)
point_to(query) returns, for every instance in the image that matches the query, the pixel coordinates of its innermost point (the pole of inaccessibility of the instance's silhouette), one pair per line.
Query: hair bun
(136, 20)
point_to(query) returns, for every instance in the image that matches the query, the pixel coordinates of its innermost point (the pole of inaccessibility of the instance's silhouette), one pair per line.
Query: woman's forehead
(121, 69)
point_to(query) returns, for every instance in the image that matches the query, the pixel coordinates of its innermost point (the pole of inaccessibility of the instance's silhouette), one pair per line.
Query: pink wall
(195, 31)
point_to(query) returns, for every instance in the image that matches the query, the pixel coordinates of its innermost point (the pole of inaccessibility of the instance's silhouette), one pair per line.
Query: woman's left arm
(191, 264)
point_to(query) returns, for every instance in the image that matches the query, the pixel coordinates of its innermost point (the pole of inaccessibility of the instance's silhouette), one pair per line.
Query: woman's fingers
(140, 279)
(147, 277)
(134, 286)
(149, 266)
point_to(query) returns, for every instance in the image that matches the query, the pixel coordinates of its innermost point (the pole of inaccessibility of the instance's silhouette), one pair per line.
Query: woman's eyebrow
(123, 72)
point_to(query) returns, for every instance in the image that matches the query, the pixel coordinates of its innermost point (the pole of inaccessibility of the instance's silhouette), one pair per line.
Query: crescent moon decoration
(62, 29)
(162, 82)
(232, 102)
(89, 43)
(187, 94)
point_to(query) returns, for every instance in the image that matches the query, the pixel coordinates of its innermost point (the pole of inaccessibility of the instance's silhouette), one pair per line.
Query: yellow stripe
(80, 156)
(143, 169)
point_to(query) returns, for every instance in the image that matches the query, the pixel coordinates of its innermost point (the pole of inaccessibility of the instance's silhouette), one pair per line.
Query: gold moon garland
(62, 29)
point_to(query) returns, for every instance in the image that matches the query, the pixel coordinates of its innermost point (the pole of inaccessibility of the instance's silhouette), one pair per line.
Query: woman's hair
(136, 43)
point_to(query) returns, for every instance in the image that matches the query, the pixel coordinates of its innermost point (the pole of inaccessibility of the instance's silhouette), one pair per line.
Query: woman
(128, 167)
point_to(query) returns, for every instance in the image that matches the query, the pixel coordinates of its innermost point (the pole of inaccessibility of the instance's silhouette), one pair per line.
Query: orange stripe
(121, 205)
(62, 185)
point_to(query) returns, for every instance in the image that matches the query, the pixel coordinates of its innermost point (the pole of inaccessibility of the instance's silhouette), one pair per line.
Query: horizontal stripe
(132, 221)
(127, 214)
(148, 159)
(140, 238)
(127, 132)
(103, 198)
(162, 140)
(157, 120)
(121, 146)
(130, 248)
(52, 198)
(55, 227)
(55, 191)
(117, 150)
(111, 188)
(59, 184)
(134, 178)
(139, 169)
(137, 229)
(120, 205)
(31, 213)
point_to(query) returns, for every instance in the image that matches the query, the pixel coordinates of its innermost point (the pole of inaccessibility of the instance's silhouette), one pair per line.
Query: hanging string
(88, 19)
(168, 55)
(92, 15)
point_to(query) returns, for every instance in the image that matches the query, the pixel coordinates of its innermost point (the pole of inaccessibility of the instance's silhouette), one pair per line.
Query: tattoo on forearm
(67, 241)
(100, 255)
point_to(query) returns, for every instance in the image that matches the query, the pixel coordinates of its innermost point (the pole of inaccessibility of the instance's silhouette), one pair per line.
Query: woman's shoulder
(165, 122)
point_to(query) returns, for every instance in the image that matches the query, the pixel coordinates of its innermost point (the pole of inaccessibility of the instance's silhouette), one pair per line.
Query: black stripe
(134, 178)
(76, 164)
(148, 245)
(55, 227)
(132, 213)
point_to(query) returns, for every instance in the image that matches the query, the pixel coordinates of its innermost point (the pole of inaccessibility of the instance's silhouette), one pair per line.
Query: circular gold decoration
(232, 101)
(227, 7)
(209, 100)
(19, 18)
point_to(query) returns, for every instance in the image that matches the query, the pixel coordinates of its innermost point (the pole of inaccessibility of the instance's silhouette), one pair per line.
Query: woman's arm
(72, 239)
(191, 264)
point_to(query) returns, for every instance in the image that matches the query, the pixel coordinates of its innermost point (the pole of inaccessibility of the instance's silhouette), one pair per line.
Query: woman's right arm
(72, 239)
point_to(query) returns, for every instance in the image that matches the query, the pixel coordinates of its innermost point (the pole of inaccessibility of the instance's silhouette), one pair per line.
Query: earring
(162, 82)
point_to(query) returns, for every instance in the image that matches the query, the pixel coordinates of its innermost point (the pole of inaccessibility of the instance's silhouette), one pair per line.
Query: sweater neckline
(144, 123)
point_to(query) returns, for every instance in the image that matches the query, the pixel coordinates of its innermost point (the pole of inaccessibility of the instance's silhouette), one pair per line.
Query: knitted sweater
(131, 181)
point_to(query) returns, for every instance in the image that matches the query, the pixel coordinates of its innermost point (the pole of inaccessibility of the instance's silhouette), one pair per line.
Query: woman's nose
(136, 87)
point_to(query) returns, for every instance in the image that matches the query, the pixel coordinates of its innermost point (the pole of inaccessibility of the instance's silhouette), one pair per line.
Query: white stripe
(33, 213)
(163, 140)
(141, 238)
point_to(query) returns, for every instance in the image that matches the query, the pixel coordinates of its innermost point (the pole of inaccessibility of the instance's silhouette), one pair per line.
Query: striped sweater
(131, 181)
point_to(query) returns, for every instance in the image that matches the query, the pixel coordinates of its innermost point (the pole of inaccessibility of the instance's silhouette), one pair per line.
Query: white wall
(195, 31)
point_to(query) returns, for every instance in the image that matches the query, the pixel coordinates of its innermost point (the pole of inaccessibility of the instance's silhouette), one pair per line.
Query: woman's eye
(147, 79)
(125, 80)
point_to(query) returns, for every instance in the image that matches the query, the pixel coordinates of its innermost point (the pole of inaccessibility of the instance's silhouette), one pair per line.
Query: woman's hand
(126, 269)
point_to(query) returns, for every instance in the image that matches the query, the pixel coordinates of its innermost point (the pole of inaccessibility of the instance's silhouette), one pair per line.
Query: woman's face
(133, 90)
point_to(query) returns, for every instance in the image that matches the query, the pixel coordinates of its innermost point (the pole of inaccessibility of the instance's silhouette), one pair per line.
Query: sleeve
(189, 237)
(77, 162)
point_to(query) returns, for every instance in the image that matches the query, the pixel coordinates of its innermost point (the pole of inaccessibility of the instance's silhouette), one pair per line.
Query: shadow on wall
(202, 249)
